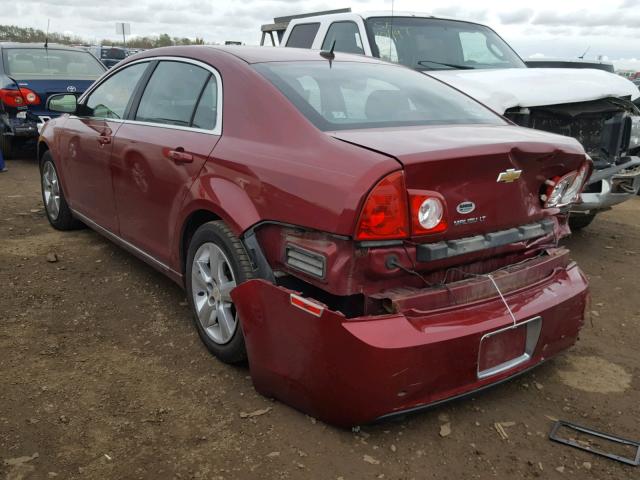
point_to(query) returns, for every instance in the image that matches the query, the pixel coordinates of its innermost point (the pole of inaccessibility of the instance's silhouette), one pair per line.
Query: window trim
(326, 34)
(142, 84)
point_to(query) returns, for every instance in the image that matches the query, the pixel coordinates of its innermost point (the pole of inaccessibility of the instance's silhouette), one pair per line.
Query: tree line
(13, 33)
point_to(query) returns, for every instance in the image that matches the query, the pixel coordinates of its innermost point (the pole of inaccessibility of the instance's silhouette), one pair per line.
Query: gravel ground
(102, 376)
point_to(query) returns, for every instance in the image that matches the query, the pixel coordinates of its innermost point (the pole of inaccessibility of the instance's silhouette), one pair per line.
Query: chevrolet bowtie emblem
(508, 176)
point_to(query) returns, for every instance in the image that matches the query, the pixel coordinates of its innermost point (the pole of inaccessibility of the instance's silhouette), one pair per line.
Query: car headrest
(76, 68)
(385, 104)
(23, 66)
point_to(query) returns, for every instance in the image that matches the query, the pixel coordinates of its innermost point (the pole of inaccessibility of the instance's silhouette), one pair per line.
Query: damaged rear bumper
(350, 371)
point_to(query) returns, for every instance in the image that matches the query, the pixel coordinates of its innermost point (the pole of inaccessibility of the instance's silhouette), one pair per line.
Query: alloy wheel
(212, 280)
(51, 190)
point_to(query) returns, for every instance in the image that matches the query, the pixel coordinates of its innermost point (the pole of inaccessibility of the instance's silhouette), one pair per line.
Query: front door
(160, 151)
(88, 142)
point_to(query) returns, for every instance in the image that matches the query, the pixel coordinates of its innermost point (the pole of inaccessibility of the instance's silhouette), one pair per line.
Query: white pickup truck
(593, 106)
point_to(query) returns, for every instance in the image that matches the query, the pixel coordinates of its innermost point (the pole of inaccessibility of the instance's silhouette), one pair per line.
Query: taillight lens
(384, 215)
(565, 190)
(19, 98)
(573, 192)
(427, 214)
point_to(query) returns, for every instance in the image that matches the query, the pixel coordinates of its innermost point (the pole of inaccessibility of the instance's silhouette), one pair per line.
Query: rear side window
(347, 38)
(111, 97)
(171, 94)
(206, 114)
(302, 35)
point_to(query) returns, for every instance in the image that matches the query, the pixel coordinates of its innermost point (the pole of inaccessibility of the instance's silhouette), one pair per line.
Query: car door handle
(179, 156)
(103, 140)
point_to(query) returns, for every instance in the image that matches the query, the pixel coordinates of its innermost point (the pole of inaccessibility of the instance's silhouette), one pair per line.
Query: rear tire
(216, 262)
(55, 205)
(7, 146)
(579, 221)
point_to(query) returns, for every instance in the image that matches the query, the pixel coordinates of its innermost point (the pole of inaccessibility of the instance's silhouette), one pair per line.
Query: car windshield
(352, 95)
(435, 44)
(34, 63)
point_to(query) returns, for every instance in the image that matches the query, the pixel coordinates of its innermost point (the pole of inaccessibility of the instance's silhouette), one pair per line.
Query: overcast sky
(552, 28)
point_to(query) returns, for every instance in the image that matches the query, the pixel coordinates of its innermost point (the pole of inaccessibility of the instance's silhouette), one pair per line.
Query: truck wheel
(579, 221)
(216, 262)
(6, 146)
(58, 212)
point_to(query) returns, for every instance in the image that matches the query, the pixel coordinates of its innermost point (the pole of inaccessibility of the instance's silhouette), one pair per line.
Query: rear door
(161, 148)
(86, 144)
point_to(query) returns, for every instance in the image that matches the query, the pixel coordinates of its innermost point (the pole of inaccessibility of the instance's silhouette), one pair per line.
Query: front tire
(55, 205)
(579, 221)
(216, 262)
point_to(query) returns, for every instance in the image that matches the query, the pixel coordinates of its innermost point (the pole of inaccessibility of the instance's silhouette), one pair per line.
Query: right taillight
(384, 215)
(563, 191)
(427, 213)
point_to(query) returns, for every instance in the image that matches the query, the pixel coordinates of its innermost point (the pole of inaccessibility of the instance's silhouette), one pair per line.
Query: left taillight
(19, 98)
(384, 215)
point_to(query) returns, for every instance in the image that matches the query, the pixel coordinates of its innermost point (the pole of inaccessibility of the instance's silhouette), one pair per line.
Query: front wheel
(580, 221)
(217, 261)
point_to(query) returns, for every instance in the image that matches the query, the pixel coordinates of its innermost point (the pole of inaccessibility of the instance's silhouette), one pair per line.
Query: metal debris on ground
(582, 445)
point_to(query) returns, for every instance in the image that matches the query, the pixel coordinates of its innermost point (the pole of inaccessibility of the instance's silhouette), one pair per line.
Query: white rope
(513, 317)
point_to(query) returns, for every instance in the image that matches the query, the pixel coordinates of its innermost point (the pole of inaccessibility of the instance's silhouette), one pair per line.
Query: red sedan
(372, 240)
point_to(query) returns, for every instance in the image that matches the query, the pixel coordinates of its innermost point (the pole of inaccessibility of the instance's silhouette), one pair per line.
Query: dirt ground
(102, 376)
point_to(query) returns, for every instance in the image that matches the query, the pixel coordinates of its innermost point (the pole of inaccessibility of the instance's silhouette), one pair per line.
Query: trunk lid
(463, 164)
(45, 88)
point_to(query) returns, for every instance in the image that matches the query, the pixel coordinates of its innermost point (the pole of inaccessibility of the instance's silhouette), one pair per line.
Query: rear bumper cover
(354, 371)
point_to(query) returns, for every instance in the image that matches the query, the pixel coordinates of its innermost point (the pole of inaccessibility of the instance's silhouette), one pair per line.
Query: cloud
(516, 16)
(455, 11)
(584, 18)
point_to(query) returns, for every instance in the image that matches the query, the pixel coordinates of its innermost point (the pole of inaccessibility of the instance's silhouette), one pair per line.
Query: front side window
(436, 44)
(50, 63)
(346, 37)
(351, 95)
(111, 97)
(302, 35)
(171, 94)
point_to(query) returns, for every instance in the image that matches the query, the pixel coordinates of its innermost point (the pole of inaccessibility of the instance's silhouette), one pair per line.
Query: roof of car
(55, 46)
(288, 54)
(378, 13)
(249, 54)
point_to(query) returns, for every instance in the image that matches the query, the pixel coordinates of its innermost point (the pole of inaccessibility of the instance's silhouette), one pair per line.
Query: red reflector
(306, 305)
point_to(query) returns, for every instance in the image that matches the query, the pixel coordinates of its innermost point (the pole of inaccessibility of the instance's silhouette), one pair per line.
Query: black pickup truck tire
(580, 221)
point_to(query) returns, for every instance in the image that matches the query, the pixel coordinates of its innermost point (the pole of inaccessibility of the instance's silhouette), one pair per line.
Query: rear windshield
(353, 95)
(34, 63)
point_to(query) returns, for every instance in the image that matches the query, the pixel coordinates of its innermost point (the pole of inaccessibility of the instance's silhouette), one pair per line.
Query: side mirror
(62, 103)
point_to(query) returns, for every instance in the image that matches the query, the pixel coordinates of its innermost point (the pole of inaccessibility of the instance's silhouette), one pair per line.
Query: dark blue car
(29, 74)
